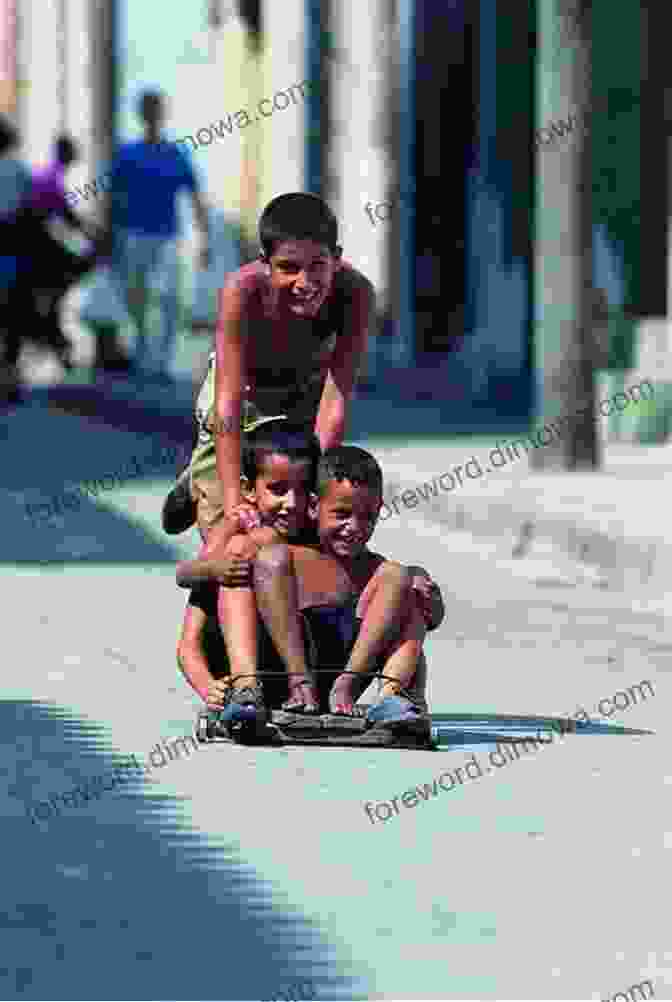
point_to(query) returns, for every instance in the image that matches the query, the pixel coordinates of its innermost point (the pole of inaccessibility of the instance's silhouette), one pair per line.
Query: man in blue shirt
(145, 178)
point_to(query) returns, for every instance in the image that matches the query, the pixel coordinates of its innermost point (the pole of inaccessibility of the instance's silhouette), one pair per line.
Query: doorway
(446, 144)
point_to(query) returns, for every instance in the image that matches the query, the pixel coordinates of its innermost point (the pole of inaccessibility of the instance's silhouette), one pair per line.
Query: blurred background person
(54, 268)
(145, 178)
(15, 186)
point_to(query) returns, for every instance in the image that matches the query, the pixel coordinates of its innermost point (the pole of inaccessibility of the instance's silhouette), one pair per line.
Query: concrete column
(401, 248)
(279, 136)
(359, 156)
(79, 97)
(9, 31)
(39, 56)
(563, 251)
(57, 56)
(104, 31)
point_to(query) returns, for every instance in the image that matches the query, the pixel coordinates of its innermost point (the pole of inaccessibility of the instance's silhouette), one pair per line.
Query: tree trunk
(566, 344)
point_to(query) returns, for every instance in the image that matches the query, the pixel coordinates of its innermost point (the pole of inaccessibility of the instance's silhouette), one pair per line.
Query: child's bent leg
(237, 613)
(190, 656)
(417, 690)
(277, 602)
(384, 608)
(402, 696)
(404, 661)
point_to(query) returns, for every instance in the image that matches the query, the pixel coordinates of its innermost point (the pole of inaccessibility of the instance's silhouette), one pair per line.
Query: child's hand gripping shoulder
(226, 559)
(247, 516)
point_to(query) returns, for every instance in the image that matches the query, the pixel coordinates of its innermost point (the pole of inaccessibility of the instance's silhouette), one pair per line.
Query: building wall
(359, 157)
(278, 141)
(8, 54)
(57, 65)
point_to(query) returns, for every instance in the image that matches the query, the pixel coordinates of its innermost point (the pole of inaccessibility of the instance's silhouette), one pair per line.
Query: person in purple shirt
(14, 192)
(53, 268)
(145, 178)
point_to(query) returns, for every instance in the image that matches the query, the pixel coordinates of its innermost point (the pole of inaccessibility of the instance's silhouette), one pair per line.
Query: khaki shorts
(202, 470)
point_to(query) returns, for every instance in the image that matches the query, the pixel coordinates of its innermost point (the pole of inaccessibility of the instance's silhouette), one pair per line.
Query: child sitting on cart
(282, 475)
(279, 469)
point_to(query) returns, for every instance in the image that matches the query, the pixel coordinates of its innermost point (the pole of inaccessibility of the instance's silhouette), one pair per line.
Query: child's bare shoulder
(249, 281)
(383, 565)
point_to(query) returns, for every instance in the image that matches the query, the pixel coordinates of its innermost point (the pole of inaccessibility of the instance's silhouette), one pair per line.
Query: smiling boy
(291, 337)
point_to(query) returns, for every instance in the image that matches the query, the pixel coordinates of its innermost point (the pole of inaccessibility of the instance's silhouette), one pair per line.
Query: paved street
(235, 873)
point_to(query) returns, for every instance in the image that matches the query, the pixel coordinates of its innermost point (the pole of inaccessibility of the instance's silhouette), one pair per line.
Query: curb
(623, 562)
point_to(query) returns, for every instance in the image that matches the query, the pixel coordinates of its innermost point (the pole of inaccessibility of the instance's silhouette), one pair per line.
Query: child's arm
(191, 573)
(230, 371)
(345, 364)
(223, 561)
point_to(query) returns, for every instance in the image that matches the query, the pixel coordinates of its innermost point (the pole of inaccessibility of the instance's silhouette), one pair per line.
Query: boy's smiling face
(302, 275)
(280, 493)
(346, 517)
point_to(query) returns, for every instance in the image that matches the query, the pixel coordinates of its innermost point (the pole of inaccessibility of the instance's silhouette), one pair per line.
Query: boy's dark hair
(347, 462)
(297, 216)
(66, 149)
(279, 438)
(9, 136)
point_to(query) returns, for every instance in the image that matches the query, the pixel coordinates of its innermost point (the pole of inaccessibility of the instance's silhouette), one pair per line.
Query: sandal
(302, 696)
(244, 705)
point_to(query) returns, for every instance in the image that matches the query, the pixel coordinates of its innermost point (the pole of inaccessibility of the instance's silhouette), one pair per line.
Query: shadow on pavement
(122, 899)
(60, 475)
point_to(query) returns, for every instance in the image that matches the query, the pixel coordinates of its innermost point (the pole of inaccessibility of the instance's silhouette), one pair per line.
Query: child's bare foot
(341, 702)
(302, 696)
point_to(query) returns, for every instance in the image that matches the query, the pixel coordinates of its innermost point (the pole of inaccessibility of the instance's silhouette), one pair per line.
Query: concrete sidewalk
(614, 522)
